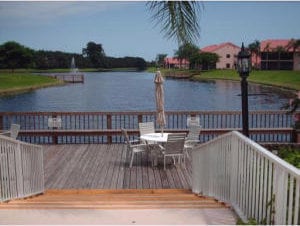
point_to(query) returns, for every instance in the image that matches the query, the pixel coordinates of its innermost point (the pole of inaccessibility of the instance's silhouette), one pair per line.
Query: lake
(134, 91)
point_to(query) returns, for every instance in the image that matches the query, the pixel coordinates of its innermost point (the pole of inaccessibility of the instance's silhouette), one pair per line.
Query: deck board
(103, 166)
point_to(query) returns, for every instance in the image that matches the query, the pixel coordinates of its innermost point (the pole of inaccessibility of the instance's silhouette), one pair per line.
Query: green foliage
(13, 55)
(187, 51)
(291, 155)
(160, 59)
(95, 53)
(205, 61)
(178, 19)
(251, 221)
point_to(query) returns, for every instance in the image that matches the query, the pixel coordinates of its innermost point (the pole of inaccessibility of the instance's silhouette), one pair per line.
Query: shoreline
(283, 88)
(20, 90)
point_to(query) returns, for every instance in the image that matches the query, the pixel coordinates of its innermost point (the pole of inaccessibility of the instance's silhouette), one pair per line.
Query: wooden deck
(100, 166)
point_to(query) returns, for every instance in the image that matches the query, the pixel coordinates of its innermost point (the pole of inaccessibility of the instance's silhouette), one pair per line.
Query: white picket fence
(21, 169)
(255, 182)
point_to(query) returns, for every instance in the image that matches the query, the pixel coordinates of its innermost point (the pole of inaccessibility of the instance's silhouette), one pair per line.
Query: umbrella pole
(162, 131)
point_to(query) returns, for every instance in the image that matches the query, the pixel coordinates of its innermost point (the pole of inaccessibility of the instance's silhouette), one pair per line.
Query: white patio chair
(174, 147)
(192, 138)
(147, 127)
(12, 132)
(55, 122)
(192, 120)
(133, 148)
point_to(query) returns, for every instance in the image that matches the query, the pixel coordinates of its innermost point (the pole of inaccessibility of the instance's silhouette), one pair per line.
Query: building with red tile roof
(278, 54)
(227, 53)
(173, 62)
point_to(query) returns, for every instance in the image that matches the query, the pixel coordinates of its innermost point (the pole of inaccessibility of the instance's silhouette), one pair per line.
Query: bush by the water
(291, 155)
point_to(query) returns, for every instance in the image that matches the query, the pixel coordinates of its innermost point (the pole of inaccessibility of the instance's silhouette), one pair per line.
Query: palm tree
(294, 44)
(186, 51)
(179, 19)
(255, 49)
(267, 50)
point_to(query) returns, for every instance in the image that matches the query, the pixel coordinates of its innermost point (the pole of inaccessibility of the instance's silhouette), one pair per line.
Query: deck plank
(92, 166)
(69, 175)
(116, 168)
(98, 166)
(103, 168)
(111, 166)
(121, 174)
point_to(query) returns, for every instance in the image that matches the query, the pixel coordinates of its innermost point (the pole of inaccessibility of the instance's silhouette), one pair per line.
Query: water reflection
(129, 91)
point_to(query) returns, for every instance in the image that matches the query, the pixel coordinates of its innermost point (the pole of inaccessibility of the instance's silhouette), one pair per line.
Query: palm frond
(178, 19)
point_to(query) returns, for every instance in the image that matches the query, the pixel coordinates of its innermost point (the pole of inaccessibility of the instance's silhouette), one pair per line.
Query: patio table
(159, 138)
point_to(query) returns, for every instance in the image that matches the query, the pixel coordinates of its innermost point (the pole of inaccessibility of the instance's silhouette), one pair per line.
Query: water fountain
(73, 66)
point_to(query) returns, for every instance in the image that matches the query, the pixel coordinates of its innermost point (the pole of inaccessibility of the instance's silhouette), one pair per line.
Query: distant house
(278, 54)
(173, 62)
(227, 53)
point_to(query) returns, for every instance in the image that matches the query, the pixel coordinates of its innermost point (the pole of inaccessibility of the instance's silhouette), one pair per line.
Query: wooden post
(109, 126)
(140, 118)
(55, 138)
(1, 122)
(296, 132)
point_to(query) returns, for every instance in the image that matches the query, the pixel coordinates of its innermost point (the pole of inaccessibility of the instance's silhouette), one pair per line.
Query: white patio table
(157, 138)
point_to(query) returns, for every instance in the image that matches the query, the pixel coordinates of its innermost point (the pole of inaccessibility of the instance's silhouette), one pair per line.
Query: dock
(69, 77)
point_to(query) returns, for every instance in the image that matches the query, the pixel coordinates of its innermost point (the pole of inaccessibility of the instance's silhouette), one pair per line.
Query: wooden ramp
(115, 199)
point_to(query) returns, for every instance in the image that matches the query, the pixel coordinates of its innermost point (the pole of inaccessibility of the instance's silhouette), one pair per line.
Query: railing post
(109, 126)
(55, 138)
(1, 122)
(19, 173)
(140, 118)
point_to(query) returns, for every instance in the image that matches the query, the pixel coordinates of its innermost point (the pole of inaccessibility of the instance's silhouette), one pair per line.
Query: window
(227, 55)
(227, 66)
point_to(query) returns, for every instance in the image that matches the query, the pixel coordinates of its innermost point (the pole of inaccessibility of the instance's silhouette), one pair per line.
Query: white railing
(255, 182)
(21, 169)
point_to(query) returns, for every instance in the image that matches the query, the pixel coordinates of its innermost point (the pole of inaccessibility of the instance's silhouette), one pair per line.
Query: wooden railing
(256, 183)
(105, 127)
(21, 169)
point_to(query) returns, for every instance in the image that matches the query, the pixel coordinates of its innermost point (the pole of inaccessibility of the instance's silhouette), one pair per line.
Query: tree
(13, 55)
(95, 53)
(204, 60)
(160, 59)
(294, 44)
(187, 51)
(267, 50)
(179, 19)
(254, 48)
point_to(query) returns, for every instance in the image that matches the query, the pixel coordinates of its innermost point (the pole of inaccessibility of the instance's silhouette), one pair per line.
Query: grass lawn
(20, 82)
(285, 79)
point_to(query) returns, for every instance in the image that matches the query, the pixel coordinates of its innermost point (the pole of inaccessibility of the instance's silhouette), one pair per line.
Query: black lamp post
(244, 67)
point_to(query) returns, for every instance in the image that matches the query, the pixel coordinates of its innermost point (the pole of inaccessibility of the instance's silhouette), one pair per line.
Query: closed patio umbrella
(159, 97)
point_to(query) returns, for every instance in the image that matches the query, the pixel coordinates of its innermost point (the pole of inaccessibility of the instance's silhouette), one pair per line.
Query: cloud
(26, 11)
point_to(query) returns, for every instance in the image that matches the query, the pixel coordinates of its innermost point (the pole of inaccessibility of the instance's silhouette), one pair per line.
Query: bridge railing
(21, 169)
(105, 127)
(256, 183)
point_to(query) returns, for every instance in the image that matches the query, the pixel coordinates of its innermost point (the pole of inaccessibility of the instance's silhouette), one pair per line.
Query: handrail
(255, 182)
(21, 169)
(265, 126)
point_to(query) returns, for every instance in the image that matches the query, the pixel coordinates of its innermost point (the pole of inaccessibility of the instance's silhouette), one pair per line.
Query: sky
(125, 28)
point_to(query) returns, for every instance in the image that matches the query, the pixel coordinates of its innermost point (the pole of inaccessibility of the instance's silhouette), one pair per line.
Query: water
(134, 91)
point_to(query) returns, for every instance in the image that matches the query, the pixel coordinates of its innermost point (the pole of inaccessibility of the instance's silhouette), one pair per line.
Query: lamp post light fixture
(244, 67)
